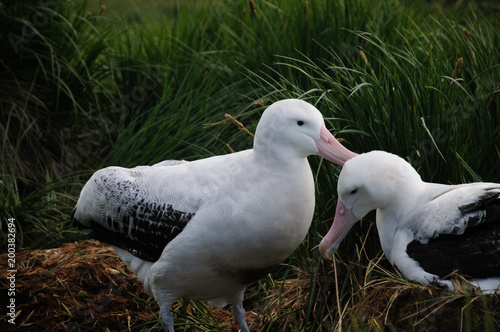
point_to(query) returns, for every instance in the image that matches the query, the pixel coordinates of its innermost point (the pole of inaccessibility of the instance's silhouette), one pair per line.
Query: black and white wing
(127, 209)
(461, 231)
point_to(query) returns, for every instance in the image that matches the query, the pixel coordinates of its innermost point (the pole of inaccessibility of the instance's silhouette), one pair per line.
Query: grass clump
(53, 64)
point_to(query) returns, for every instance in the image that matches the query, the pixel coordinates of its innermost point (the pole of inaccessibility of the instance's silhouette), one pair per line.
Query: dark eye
(300, 123)
(354, 191)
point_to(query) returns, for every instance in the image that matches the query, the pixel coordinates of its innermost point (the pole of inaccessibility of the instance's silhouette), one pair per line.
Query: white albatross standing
(426, 230)
(206, 229)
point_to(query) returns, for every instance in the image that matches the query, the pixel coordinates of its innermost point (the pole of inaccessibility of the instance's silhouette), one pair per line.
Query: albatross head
(370, 181)
(294, 128)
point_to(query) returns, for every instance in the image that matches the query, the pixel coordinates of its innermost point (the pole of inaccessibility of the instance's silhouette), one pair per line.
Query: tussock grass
(53, 62)
(87, 86)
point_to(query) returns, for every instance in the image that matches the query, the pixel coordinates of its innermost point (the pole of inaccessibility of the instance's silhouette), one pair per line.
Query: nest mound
(86, 287)
(403, 306)
(77, 287)
(81, 287)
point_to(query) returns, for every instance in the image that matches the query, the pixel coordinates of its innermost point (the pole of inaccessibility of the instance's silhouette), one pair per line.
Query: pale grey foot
(166, 318)
(239, 316)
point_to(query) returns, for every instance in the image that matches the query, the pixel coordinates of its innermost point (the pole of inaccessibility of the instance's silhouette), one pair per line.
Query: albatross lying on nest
(206, 229)
(427, 230)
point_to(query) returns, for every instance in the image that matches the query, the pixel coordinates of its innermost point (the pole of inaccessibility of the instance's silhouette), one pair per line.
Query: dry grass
(76, 287)
(84, 287)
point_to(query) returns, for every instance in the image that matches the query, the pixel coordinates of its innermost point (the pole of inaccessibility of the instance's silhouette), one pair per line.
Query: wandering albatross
(427, 230)
(206, 229)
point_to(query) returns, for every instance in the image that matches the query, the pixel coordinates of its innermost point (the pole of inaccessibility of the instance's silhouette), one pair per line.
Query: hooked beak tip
(325, 251)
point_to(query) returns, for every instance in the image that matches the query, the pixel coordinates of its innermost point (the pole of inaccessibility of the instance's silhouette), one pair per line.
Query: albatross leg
(239, 315)
(239, 311)
(166, 318)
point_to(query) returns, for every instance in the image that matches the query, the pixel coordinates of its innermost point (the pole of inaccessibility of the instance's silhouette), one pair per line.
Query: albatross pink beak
(331, 149)
(342, 224)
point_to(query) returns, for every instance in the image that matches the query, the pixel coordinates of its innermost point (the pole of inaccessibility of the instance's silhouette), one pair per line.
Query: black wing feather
(127, 219)
(475, 253)
(148, 234)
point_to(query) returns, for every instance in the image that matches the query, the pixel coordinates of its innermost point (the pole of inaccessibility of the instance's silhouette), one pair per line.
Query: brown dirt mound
(85, 287)
(403, 306)
(80, 287)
